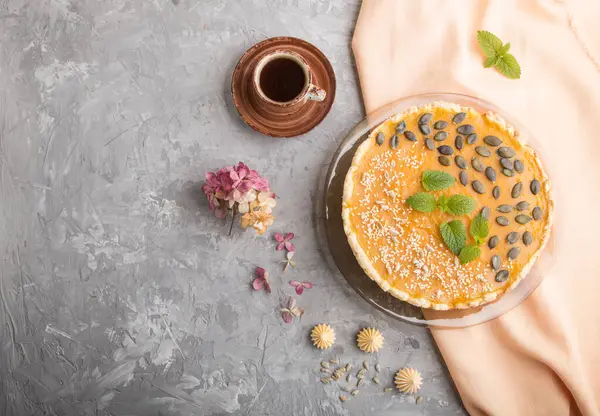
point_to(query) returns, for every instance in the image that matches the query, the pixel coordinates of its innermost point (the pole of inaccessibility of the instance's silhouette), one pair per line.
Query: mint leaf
(479, 229)
(489, 43)
(442, 203)
(508, 66)
(469, 253)
(436, 180)
(454, 235)
(422, 201)
(504, 49)
(460, 204)
(491, 61)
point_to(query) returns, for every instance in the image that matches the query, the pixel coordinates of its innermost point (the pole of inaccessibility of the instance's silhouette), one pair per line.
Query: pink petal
(278, 237)
(267, 287)
(258, 283)
(280, 246)
(299, 289)
(287, 317)
(291, 303)
(289, 246)
(295, 283)
(289, 236)
(260, 272)
(307, 285)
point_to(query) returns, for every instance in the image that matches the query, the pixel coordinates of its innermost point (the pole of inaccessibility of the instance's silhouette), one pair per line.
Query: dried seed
(324, 364)
(440, 125)
(477, 164)
(440, 136)
(459, 142)
(334, 361)
(445, 150)
(425, 129)
(347, 389)
(502, 220)
(471, 138)
(377, 367)
(495, 262)
(400, 127)
(335, 376)
(360, 382)
(376, 380)
(429, 144)
(535, 186)
(466, 129)
(348, 367)
(394, 142)
(410, 136)
(522, 206)
(388, 390)
(522, 219)
(366, 365)
(343, 398)
(380, 138)
(425, 118)
(444, 160)
(506, 152)
(508, 172)
(492, 141)
(485, 213)
(355, 392)
(419, 399)
(507, 163)
(496, 192)
(536, 213)
(483, 151)
(513, 253)
(459, 118)
(493, 242)
(325, 380)
(519, 167)
(490, 173)
(516, 190)
(527, 238)
(505, 208)
(478, 187)
(349, 378)
(512, 237)
(324, 370)
(501, 276)
(463, 178)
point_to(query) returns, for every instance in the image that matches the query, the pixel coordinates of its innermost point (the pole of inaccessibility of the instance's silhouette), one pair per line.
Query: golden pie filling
(403, 249)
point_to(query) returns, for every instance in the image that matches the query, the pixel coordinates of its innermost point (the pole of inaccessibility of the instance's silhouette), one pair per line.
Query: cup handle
(315, 93)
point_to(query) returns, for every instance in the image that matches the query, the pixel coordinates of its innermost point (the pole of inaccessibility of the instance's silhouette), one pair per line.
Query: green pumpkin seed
(429, 144)
(401, 127)
(348, 367)
(507, 163)
(440, 136)
(522, 219)
(459, 118)
(505, 208)
(459, 142)
(466, 129)
(376, 380)
(324, 364)
(535, 186)
(508, 172)
(501, 276)
(483, 151)
(419, 400)
(349, 378)
(361, 372)
(516, 190)
(519, 167)
(388, 390)
(355, 392)
(527, 238)
(360, 382)
(425, 129)
(493, 242)
(471, 138)
(463, 178)
(334, 361)
(380, 138)
(477, 164)
(536, 213)
(495, 262)
(460, 161)
(502, 220)
(513, 253)
(512, 237)
(492, 141)
(490, 173)
(377, 367)
(366, 365)
(444, 160)
(506, 152)
(325, 380)
(445, 150)
(496, 192)
(425, 118)
(394, 142)
(478, 187)
(440, 125)
(485, 213)
(324, 370)
(410, 136)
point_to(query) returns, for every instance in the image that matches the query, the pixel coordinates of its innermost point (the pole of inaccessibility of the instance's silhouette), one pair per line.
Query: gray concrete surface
(120, 294)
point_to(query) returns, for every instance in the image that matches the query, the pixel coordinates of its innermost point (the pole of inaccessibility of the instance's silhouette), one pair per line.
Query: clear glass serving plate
(341, 258)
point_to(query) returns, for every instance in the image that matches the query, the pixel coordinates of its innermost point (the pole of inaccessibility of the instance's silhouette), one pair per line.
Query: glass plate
(341, 257)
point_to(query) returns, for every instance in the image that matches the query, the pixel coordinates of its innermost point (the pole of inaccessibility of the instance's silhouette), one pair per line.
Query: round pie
(445, 207)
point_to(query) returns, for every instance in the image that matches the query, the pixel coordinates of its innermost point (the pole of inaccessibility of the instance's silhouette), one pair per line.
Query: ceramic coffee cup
(282, 83)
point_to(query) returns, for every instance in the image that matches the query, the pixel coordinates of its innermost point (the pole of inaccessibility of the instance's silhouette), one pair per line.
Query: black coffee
(282, 79)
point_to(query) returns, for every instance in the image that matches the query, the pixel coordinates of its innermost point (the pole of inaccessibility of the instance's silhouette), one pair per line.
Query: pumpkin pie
(466, 240)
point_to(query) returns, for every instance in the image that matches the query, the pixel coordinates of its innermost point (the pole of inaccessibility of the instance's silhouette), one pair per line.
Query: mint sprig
(479, 230)
(497, 55)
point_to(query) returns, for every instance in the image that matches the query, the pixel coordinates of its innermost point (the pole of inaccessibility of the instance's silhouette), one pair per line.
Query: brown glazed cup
(309, 92)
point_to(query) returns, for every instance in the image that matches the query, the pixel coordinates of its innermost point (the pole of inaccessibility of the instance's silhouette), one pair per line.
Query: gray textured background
(120, 294)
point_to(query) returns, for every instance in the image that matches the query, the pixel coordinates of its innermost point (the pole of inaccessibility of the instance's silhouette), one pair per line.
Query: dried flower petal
(288, 236)
(278, 237)
(287, 317)
(260, 272)
(307, 285)
(289, 246)
(258, 283)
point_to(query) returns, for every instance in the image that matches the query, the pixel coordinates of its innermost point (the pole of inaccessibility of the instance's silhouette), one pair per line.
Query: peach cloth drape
(543, 357)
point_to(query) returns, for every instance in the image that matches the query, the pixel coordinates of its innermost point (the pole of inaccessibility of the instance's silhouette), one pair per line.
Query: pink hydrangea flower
(300, 286)
(284, 241)
(262, 280)
(290, 311)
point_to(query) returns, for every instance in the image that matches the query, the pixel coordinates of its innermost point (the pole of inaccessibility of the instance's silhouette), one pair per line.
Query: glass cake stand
(341, 258)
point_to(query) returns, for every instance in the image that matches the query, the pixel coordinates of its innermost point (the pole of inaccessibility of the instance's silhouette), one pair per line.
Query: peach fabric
(543, 357)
